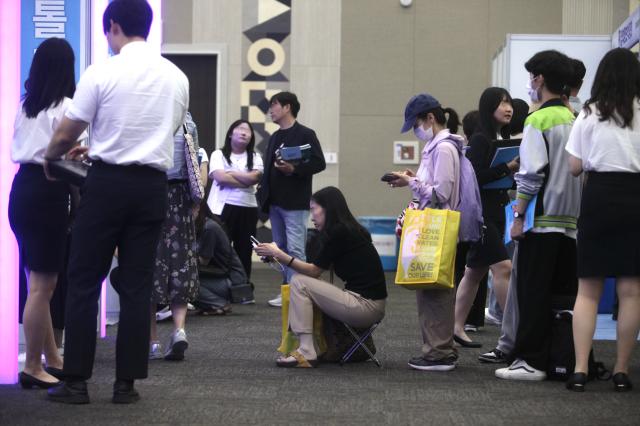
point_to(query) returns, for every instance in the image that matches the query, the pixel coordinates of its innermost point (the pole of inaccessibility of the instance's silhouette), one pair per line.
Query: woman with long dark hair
(39, 208)
(347, 248)
(235, 170)
(495, 108)
(605, 143)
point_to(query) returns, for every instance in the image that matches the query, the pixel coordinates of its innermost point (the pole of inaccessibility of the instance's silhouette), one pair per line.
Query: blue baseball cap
(416, 105)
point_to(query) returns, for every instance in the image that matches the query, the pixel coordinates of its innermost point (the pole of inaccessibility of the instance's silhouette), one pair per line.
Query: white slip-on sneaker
(520, 370)
(276, 302)
(163, 314)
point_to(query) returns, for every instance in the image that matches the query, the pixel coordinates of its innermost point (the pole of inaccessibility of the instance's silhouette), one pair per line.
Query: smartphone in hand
(254, 243)
(388, 177)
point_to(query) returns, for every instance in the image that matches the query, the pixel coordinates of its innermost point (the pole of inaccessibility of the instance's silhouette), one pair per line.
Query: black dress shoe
(577, 382)
(124, 392)
(621, 382)
(55, 372)
(27, 381)
(70, 393)
(466, 343)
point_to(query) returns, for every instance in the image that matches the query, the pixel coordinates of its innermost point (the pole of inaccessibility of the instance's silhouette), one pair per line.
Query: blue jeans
(289, 229)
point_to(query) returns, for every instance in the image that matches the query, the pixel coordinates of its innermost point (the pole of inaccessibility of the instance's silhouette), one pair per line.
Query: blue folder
(529, 216)
(502, 155)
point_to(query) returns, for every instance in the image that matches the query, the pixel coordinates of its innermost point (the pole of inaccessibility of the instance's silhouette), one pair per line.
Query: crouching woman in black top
(347, 247)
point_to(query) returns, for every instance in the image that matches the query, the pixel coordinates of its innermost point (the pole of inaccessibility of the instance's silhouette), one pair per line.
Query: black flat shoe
(577, 382)
(27, 381)
(70, 393)
(466, 343)
(621, 382)
(124, 392)
(55, 372)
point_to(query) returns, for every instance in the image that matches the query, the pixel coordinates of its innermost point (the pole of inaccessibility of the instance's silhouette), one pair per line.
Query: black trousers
(546, 269)
(123, 207)
(241, 224)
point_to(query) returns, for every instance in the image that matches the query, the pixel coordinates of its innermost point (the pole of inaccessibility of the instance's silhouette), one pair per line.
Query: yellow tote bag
(428, 244)
(289, 342)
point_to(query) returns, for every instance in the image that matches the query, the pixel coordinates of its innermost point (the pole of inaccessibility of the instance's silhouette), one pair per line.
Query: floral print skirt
(175, 276)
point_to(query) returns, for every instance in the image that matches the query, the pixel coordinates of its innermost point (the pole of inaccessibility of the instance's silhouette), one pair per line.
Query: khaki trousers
(339, 304)
(436, 315)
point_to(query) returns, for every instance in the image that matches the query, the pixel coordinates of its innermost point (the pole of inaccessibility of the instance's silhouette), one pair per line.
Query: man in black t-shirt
(285, 189)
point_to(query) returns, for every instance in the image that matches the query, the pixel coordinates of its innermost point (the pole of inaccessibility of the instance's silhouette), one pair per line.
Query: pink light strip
(9, 97)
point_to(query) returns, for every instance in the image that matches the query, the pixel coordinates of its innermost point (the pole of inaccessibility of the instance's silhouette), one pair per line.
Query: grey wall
(390, 53)
(355, 63)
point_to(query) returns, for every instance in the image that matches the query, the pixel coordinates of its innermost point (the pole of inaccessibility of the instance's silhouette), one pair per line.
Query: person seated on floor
(220, 267)
(347, 248)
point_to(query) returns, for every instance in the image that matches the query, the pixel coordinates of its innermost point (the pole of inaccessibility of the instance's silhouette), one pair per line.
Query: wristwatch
(518, 215)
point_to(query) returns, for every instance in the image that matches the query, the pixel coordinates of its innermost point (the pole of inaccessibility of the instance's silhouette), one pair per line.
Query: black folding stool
(359, 343)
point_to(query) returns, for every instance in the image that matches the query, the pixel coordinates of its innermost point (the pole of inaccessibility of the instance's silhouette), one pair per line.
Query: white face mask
(533, 93)
(575, 103)
(423, 135)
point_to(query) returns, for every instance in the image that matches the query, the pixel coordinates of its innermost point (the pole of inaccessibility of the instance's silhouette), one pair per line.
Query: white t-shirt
(31, 136)
(603, 146)
(244, 197)
(135, 101)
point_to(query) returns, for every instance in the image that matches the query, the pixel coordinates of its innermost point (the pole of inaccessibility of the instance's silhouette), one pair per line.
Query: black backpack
(562, 358)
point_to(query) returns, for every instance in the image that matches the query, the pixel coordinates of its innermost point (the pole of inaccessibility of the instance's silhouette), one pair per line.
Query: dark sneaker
(495, 356)
(446, 364)
(70, 393)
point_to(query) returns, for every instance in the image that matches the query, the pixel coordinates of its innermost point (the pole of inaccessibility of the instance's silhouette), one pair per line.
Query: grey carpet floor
(229, 377)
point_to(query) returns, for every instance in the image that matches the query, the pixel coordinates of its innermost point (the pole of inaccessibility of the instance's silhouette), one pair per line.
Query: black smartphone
(388, 177)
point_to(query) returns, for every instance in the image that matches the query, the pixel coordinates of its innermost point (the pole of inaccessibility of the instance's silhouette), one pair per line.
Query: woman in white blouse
(605, 144)
(39, 208)
(235, 170)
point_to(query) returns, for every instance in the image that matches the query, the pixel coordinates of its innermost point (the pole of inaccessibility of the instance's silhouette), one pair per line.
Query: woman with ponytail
(443, 171)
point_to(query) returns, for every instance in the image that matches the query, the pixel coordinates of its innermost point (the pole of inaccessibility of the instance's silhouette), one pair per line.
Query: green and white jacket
(544, 169)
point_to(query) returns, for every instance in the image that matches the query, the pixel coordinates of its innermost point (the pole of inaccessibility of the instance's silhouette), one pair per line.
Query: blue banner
(42, 19)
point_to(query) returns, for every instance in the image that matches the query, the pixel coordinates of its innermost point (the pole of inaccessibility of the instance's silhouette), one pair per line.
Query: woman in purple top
(441, 172)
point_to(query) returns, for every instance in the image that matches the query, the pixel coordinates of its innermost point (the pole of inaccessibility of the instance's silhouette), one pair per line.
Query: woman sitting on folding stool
(346, 247)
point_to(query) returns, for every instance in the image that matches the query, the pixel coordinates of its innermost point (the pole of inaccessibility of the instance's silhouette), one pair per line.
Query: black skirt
(491, 249)
(608, 231)
(39, 218)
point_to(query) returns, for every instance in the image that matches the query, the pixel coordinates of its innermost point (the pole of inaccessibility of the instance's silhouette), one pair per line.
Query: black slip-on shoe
(466, 343)
(124, 392)
(55, 372)
(27, 381)
(70, 393)
(577, 382)
(621, 382)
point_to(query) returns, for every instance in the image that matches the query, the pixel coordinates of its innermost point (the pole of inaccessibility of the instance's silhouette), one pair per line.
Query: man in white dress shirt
(135, 102)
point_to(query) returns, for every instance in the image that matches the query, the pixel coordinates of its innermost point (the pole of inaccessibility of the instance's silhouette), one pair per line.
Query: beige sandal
(298, 361)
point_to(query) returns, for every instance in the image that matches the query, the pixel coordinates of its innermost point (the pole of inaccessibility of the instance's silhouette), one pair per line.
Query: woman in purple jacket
(442, 171)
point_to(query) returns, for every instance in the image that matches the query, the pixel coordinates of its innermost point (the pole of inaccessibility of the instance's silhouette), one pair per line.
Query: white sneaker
(177, 346)
(490, 319)
(163, 314)
(277, 302)
(520, 370)
(155, 350)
